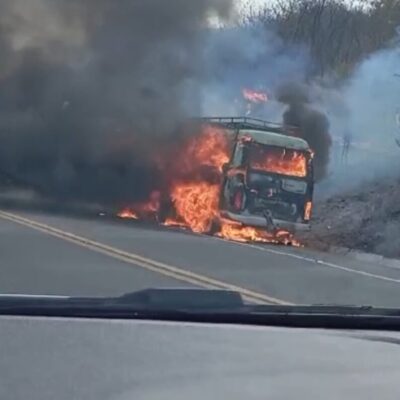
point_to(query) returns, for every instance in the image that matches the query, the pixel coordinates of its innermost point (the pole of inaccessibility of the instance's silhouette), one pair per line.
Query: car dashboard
(76, 358)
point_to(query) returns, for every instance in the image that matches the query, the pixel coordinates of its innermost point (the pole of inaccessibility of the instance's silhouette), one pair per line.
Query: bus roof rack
(246, 123)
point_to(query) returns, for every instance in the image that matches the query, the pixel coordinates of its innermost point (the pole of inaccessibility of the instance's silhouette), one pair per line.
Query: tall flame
(195, 191)
(196, 204)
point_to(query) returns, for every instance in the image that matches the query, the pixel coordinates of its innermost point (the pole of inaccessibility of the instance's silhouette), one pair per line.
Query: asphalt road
(42, 253)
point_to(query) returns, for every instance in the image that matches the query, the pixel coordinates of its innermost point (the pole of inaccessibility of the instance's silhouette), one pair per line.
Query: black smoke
(89, 88)
(313, 125)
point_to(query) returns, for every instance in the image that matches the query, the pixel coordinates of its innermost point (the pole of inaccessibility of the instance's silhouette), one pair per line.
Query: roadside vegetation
(337, 33)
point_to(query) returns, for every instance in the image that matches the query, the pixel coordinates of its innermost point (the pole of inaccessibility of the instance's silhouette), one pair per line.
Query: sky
(243, 4)
(254, 3)
(242, 7)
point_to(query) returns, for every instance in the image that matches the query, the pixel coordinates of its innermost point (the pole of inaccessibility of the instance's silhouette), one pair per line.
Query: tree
(337, 34)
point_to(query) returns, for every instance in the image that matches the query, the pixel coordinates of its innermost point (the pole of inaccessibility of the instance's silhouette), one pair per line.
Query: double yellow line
(143, 262)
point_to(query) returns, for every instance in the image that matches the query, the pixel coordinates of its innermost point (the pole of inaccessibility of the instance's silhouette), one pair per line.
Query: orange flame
(239, 233)
(138, 210)
(254, 96)
(245, 234)
(286, 162)
(127, 213)
(195, 194)
(307, 211)
(196, 204)
(174, 222)
(210, 148)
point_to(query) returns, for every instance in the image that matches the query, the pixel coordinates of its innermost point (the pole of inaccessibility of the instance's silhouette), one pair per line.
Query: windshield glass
(135, 148)
(278, 160)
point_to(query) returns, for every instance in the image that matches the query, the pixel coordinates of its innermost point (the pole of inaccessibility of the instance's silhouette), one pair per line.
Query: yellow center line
(143, 262)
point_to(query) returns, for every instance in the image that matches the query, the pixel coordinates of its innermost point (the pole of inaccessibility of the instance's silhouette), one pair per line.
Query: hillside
(366, 218)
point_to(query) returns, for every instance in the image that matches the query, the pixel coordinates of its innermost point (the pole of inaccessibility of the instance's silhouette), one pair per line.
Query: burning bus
(238, 178)
(268, 181)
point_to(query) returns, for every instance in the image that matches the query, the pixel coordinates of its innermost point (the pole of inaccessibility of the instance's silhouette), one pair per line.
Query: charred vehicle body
(268, 181)
(227, 174)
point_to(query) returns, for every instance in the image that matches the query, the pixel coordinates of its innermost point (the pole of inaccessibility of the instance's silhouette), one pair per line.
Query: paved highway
(43, 253)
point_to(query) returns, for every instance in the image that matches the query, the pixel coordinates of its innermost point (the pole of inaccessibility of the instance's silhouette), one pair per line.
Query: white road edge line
(316, 261)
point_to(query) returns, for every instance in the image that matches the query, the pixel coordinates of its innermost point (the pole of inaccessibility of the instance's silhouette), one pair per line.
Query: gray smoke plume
(313, 124)
(366, 109)
(88, 88)
(250, 56)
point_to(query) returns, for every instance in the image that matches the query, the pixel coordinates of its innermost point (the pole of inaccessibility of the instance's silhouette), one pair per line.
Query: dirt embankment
(366, 219)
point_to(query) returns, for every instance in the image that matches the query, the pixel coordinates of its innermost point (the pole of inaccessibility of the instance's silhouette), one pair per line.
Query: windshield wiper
(202, 305)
